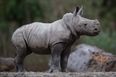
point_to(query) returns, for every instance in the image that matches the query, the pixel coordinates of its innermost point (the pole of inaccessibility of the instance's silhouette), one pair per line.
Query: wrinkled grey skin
(53, 38)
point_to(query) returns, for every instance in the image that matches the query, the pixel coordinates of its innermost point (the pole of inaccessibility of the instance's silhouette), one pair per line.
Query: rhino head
(80, 25)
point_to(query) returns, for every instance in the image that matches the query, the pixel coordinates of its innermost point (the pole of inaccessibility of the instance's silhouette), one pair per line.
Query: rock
(6, 64)
(87, 58)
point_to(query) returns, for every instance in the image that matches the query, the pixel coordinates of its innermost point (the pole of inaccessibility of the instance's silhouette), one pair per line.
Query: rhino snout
(96, 29)
(96, 26)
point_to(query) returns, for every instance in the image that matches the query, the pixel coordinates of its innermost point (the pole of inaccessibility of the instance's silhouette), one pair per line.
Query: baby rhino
(53, 38)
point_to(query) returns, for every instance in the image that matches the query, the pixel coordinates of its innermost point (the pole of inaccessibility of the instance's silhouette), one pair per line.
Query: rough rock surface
(87, 58)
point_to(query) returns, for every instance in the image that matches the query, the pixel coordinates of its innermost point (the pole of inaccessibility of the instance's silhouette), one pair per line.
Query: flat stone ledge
(41, 74)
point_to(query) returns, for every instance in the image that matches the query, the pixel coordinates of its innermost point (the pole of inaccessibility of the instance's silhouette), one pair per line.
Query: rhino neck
(71, 28)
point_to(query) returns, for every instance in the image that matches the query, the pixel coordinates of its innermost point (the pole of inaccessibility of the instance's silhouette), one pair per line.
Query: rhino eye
(85, 24)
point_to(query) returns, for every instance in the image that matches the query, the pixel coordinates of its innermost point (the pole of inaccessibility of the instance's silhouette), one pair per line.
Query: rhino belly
(39, 43)
(41, 50)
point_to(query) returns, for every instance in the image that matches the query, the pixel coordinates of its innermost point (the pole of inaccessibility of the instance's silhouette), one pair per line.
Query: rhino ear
(78, 11)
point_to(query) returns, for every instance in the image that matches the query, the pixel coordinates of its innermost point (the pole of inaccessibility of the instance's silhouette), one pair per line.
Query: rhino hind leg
(19, 59)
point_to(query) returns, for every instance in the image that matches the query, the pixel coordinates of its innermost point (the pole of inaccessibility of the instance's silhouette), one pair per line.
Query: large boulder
(87, 58)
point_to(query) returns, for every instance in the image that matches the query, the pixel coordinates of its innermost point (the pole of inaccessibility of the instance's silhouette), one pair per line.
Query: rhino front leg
(64, 59)
(56, 51)
(19, 59)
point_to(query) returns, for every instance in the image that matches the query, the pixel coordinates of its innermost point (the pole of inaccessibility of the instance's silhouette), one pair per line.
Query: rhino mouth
(96, 33)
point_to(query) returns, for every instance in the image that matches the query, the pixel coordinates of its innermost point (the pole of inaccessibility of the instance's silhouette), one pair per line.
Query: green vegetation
(104, 41)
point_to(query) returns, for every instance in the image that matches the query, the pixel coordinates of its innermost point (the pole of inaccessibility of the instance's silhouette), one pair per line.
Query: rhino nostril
(95, 29)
